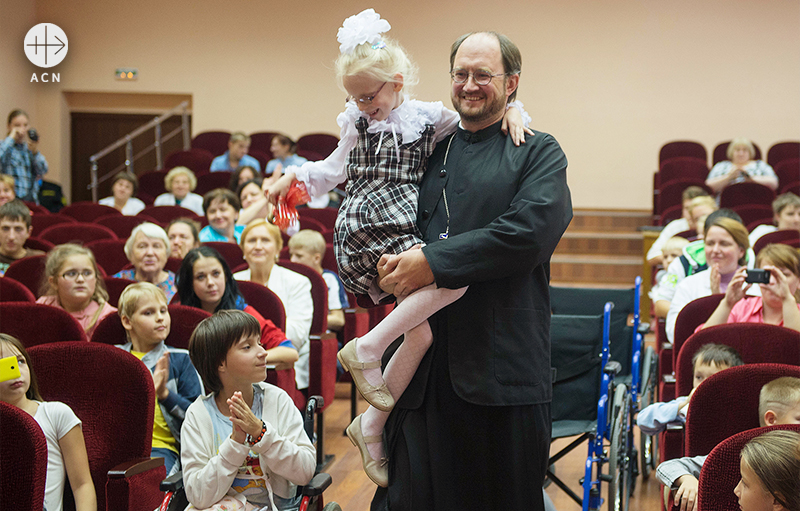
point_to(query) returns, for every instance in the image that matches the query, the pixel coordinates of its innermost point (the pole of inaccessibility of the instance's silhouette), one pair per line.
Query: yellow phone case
(9, 368)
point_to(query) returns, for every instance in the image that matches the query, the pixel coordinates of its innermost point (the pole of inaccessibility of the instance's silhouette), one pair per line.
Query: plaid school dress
(379, 214)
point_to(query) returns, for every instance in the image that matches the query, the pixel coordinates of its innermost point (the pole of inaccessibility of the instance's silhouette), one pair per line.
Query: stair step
(608, 220)
(601, 243)
(577, 268)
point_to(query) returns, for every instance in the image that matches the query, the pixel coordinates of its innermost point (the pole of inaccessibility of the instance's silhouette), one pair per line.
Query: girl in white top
(243, 445)
(386, 139)
(66, 450)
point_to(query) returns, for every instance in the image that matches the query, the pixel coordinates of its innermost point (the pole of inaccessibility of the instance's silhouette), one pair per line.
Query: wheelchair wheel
(618, 453)
(332, 506)
(648, 448)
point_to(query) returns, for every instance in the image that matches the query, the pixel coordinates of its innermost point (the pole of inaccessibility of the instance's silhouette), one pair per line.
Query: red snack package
(286, 209)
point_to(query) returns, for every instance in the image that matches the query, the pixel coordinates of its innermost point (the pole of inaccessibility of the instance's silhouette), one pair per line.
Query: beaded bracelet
(254, 441)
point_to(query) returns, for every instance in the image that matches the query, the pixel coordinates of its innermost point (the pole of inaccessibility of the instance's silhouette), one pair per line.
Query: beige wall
(612, 81)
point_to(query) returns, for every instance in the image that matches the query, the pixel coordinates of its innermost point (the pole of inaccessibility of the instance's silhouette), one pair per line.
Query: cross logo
(46, 45)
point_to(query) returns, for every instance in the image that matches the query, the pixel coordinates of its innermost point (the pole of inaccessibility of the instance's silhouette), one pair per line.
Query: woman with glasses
(386, 140)
(72, 282)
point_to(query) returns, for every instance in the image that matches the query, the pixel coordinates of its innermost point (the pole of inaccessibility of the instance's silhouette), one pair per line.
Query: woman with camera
(778, 276)
(20, 157)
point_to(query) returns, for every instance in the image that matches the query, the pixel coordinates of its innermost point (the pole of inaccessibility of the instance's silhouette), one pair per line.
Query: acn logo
(46, 45)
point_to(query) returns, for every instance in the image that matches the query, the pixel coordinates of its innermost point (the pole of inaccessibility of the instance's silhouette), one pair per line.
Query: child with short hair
(709, 359)
(66, 448)
(671, 250)
(386, 140)
(222, 210)
(244, 446)
(770, 469)
(15, 229)
(145, 317)
(778, 403)
(236, 156)
(307, 247)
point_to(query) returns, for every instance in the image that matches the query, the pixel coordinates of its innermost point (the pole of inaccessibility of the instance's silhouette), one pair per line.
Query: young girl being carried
(386, 139)
(66, 449)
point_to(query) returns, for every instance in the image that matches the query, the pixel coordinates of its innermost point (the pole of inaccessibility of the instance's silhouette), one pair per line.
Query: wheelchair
(175, 497)
(604, 416)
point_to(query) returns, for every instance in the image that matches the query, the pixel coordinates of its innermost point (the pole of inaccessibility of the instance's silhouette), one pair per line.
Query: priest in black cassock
(472, 431)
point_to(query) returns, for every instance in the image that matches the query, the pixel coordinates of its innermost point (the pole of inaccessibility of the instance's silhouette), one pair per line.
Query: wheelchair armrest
(134, 467)
(612, 367)
(172, 483)
(317, 485)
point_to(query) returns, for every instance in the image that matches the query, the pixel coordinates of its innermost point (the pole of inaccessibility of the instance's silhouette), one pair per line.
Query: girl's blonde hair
(775, 459)
(52, 268)
(381, 63)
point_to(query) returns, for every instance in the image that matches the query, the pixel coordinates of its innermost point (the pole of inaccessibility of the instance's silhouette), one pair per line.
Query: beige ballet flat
(375, 470)
(379, 396)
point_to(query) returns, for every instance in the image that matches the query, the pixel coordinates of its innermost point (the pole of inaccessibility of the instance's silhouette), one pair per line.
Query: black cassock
(472, 431)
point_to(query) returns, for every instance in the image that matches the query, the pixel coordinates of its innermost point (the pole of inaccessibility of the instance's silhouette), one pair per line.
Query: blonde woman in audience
(184, 235)
(770, 469)
(123, 188)
(6, 189)
(740, 167)
(73, 283)
(179, 183)
(66, 448)
(777, 304)
(147, 249)
(726, 246)
(261, 244)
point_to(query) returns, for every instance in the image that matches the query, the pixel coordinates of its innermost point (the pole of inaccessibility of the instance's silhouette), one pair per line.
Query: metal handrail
(127, 141)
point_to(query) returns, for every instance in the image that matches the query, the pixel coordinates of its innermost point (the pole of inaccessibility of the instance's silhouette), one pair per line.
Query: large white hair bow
(365, 27)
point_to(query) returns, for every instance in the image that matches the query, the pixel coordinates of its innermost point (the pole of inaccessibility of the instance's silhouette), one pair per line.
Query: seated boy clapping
(244, 446)
(145, 317)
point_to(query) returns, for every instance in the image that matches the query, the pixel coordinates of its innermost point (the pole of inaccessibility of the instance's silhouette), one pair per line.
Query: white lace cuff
(526, 118)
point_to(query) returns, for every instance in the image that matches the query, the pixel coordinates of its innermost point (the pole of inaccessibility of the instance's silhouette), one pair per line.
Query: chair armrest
(134, 467)
(317, 485)
(669, 378)
(172, 483)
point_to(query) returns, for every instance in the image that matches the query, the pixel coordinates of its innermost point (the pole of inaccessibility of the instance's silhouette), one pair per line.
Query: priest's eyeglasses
(480, 77)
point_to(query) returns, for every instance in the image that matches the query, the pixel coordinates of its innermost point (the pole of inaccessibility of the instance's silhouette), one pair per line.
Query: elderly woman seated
(123, 188)
(147, 249)
(179, 183)
(740, 167)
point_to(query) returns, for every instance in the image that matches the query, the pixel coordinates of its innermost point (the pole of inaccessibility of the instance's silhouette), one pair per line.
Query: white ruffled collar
(409, 119)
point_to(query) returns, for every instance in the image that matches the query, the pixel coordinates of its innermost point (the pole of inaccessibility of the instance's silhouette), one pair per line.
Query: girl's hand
(161, 376)
(279, 188)
(737, 287)
(242, 416)
(713, 274)
(18, 135)
(514, 126)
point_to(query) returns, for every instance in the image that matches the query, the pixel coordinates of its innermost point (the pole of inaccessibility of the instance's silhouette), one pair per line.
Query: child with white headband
(386, 140)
